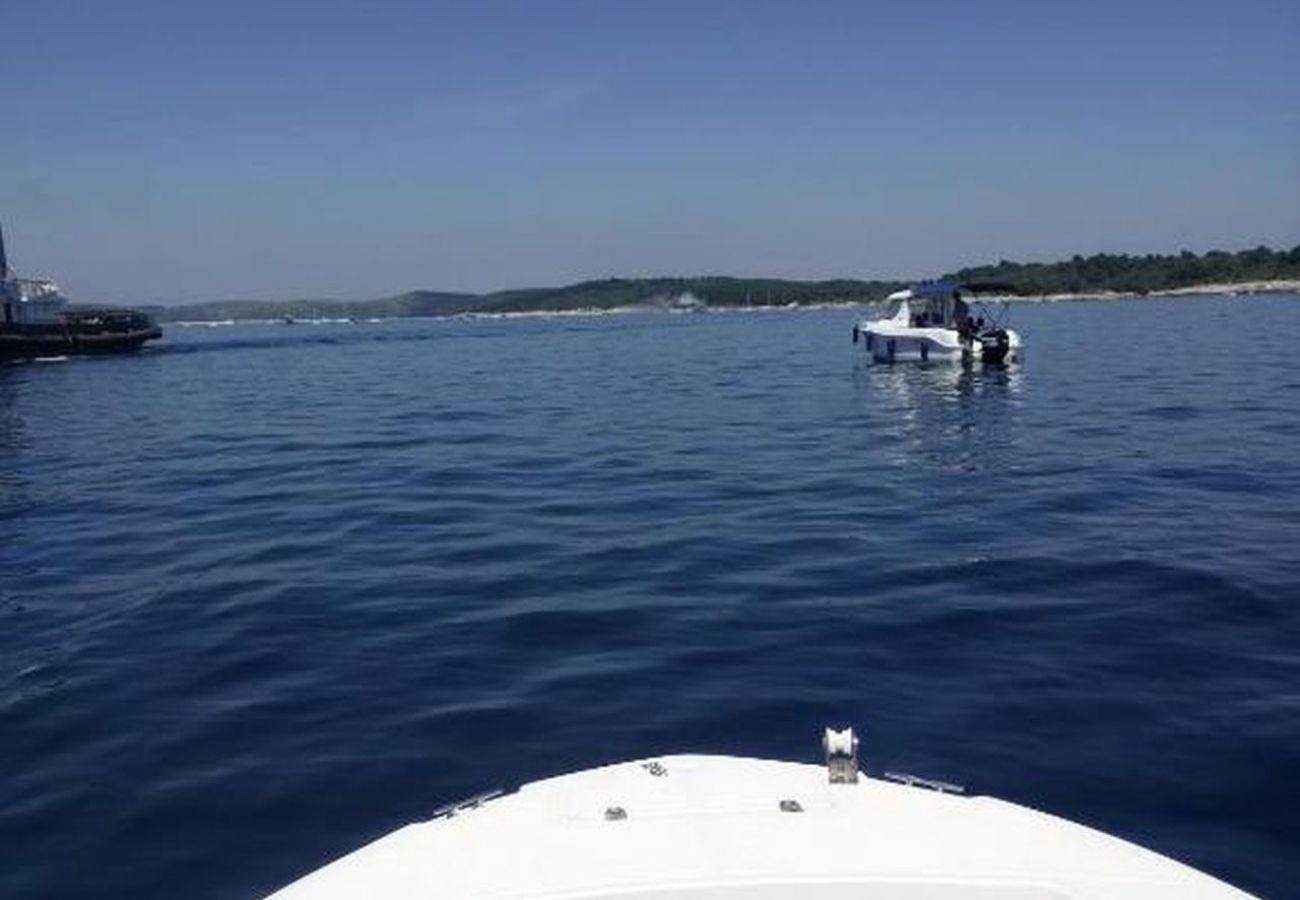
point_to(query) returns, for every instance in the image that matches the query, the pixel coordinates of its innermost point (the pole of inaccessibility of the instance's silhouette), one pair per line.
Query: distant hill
(412, 303)
(1080, 275)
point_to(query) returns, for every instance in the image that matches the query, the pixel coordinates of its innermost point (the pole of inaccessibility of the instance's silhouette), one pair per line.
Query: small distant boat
(38, 322)
(687, 302)
(726, 828)
(931, 320)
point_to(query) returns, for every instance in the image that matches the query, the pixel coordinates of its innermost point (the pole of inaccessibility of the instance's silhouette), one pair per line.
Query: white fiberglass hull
(887, 341)
(724, 828)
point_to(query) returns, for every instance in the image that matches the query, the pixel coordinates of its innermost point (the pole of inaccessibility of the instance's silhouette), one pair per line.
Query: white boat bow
(726, 828)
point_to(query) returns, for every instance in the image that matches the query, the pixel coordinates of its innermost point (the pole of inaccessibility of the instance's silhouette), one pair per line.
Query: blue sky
(168, 151)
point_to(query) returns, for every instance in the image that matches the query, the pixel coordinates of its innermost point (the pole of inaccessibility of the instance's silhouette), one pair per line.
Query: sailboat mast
(4, 260)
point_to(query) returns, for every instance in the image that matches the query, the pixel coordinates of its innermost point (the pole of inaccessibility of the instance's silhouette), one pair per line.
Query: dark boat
(38, 321)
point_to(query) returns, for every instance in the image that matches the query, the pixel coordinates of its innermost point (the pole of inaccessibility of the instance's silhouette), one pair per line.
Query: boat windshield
(939, 312)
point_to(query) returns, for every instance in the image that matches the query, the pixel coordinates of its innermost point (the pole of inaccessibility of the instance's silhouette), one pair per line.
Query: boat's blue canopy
(930, 289)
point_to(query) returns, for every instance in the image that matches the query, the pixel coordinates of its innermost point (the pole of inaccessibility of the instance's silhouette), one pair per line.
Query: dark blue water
(269, 592)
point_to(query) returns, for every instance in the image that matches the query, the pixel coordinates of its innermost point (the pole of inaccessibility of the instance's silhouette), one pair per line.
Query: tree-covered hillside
(711, 291)
(1139, 274)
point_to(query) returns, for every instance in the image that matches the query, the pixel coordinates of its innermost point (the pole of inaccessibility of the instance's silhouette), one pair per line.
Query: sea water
(268, 592)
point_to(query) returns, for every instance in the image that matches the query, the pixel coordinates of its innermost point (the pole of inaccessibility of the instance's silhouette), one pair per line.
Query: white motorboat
(932, 321)
(725, 828)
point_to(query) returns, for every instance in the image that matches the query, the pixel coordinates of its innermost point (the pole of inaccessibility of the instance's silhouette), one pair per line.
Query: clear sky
(166, 151)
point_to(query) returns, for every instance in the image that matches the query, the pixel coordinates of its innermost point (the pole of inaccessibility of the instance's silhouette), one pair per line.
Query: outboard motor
(994, 345)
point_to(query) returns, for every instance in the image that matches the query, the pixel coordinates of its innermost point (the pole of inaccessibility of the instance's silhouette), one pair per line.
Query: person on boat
(965, 327)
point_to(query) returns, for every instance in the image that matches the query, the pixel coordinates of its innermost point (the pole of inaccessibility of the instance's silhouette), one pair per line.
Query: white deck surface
(711, 828)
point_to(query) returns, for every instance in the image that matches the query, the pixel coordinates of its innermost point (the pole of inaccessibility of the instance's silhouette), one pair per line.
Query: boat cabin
(30, 302)
(27, 301)
(931, 304)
